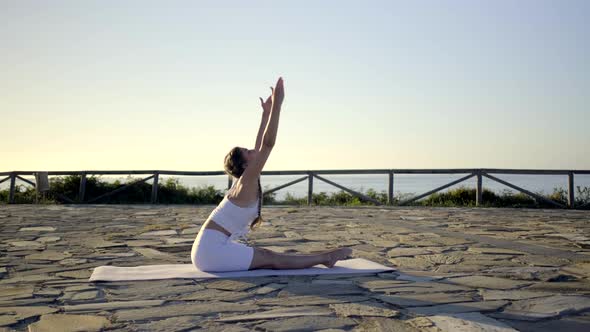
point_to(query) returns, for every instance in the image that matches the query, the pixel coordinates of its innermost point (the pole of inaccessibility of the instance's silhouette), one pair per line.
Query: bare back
(243, 194)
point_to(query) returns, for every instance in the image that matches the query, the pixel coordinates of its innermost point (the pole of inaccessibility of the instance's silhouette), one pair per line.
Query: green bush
(170, 191)
(24, 195)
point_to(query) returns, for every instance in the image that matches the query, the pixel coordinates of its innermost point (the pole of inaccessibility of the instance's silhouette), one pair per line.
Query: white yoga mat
(170, 271)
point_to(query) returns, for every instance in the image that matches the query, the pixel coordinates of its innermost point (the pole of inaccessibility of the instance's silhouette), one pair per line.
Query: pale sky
(173, 85)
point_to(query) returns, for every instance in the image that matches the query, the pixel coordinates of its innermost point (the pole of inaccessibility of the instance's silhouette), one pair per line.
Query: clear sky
(173, 85)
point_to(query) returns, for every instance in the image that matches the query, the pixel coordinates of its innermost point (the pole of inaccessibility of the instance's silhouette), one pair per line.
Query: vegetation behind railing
(171, 191)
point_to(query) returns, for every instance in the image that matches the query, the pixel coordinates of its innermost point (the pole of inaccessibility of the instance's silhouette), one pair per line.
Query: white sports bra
(233, 218)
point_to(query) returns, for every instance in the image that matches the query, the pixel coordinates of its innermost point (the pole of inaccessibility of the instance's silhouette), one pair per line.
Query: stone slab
(27, 244)
(581, 286)
(187, 231)
(38, 229)
(420, 300)
(366, 309)
(319, 289)
(546, 307)
(565, 324)
(278, 313)
(102, 243)
(408, 252)
(176, 240)
(111, 305)
(79, 296)
(214, 294)
(173, 324)
(16, 291)
(581, 269)
(156, 292)
(69, 323)
(142, 243)
(381, 324)
(173, 310)
(73, 261)
(487, 282)
(11, 314)
(27, 301)
(422, 287)
(49, 255)
(76, 274)
(48, 292)
(154, 254)
(310, 300)
(232, 285)
(377, 284)
(490, 250)
(527, 272)
(269, 288)
(159, 233)
(48, 239)
(460, 307)
(490, 294)
(308, 323)
(469, 322)
(29, 279)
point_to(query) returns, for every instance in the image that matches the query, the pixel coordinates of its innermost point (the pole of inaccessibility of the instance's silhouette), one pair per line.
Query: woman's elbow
(269, 143)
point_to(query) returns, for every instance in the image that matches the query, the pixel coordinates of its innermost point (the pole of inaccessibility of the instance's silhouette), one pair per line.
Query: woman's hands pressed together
(269, 123)
(276, 98)
(278, 94)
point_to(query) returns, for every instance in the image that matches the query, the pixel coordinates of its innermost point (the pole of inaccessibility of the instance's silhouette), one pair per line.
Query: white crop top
(233, 218)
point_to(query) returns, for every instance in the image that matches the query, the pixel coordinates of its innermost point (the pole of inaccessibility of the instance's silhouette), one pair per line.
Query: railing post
(478, 190)
(230, 181)
(12, 188)
(155, 188)
(82, 191)
(309, 188)
(390, 195)
(570, 202)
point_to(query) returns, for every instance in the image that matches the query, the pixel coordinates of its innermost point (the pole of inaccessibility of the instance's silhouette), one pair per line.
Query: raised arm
(254, 168)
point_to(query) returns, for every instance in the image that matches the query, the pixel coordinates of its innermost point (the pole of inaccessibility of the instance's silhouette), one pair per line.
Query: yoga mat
(170, 271)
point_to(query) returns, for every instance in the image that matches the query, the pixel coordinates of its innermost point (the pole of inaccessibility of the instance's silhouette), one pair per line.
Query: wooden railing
(479, 173)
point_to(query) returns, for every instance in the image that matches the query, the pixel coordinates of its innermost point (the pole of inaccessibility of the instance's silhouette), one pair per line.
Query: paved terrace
(459, 269)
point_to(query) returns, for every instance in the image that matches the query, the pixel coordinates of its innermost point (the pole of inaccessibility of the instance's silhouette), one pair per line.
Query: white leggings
(213, 251)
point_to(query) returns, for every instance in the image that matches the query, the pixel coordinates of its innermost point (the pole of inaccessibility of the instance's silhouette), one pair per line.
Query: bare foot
(336, 255)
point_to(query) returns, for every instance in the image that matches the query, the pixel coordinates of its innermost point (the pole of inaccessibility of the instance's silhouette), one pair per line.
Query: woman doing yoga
(215, 248)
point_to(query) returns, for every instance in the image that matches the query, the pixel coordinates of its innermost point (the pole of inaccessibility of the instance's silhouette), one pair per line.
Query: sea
(406, 184)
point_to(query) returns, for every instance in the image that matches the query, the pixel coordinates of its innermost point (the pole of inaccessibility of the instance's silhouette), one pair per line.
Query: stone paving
(458, 269)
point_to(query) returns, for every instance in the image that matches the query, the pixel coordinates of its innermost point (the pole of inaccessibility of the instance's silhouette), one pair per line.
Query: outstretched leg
(268, 259)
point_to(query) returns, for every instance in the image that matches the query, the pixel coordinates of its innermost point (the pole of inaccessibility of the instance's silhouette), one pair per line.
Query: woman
(214, 249)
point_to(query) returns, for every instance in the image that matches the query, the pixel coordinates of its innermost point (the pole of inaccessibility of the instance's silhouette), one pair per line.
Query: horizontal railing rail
(309, 175)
